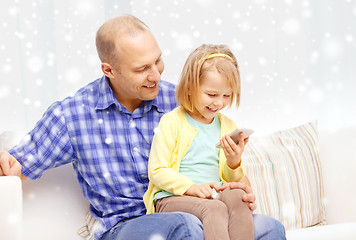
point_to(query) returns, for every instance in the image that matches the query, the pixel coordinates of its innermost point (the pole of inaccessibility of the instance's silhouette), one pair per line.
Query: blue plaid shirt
(107, 145)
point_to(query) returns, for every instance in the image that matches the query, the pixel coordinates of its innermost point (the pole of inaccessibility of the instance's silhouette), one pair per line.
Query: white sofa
(54, 208)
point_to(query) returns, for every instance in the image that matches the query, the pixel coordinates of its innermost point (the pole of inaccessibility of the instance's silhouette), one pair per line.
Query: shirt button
(132, 123)
(135, 149)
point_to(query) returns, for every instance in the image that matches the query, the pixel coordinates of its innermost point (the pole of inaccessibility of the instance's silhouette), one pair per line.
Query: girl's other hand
(203, 190)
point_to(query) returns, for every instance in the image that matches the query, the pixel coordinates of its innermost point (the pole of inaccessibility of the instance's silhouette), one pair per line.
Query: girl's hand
(232, 150)
(203, 190)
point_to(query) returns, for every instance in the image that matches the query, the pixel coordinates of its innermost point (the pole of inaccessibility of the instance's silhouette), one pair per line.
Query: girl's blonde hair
(198, 63)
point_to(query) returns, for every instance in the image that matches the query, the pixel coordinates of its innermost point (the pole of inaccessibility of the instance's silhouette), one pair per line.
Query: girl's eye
(227, 96)
(211, 95)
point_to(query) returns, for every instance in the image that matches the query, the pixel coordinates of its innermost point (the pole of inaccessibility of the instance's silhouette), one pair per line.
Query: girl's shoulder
(227, 124)
(174, 116)
(224, 118)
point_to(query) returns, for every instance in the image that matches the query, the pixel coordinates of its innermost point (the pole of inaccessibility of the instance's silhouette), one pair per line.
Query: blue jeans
(174, 226)
(158, 226)
(268, 228)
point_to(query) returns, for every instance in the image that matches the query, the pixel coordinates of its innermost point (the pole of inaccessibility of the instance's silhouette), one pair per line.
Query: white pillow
(285, 174)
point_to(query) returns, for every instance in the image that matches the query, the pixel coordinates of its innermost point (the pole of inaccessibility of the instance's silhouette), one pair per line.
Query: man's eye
(141, 70)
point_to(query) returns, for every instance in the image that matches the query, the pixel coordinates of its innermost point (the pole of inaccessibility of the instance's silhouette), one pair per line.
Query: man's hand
(9, 166)
(202, 191)
(248, 197)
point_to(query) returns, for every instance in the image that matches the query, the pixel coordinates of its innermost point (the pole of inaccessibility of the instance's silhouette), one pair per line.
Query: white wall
(296, 58)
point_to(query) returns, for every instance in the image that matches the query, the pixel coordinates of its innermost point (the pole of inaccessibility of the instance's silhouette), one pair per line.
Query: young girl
(185, 165)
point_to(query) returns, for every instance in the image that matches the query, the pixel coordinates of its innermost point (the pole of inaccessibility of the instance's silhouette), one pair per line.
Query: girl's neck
(199, 118)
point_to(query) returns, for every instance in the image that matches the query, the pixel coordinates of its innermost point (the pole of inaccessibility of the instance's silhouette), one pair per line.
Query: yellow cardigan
(170, 144)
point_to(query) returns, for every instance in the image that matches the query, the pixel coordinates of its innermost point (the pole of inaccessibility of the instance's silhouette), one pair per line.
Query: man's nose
(154, 74)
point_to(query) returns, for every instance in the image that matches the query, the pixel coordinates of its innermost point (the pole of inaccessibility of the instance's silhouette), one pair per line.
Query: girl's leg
(240, 216)
(212, 213)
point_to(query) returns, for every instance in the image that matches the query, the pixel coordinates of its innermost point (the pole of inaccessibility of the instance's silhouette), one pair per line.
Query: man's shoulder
(167, 86)
(87, 94)
(166, 99)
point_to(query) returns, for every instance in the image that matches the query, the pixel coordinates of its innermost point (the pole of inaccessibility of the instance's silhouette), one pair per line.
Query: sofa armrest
(11, 208)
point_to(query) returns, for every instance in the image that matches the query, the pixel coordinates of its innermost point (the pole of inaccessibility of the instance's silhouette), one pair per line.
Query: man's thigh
(268, 228)
(158, 226)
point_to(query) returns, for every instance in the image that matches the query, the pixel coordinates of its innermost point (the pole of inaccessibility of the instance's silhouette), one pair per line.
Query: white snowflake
(332, 48)
(349, 38)
(314, 56)
(291, 26)
(316, 95)
(35, 64)
(108, 140)
(184, 41)
(4, 91)
(7, 68)
(73, 75)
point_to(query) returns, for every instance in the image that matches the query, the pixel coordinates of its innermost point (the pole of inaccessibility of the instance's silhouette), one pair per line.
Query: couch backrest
(338, 155)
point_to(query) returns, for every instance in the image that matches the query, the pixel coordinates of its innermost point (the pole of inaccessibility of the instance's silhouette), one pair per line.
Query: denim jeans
(157, 226)
(268, 228)
(174, 226)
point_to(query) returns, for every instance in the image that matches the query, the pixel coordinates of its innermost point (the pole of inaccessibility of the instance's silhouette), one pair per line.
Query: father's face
(138, 68)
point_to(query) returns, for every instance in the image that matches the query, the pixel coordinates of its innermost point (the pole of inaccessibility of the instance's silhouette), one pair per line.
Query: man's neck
(130, 105)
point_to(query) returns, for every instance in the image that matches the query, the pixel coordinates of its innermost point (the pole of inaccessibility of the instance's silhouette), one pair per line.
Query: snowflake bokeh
(296, 57)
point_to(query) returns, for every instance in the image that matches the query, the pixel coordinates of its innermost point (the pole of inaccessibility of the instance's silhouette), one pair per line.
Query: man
(105, 130)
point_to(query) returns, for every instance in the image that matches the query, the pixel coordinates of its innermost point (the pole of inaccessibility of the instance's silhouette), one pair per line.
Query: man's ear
(107, 70)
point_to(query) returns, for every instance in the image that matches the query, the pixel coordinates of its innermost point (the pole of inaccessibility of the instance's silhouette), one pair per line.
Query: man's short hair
(110, 31)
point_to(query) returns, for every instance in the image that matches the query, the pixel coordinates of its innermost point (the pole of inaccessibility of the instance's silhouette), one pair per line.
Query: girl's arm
(232, 150)
(162, 166)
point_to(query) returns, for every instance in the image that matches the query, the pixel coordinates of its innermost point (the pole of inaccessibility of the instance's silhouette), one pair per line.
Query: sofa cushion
(285, 174)
(91, 226)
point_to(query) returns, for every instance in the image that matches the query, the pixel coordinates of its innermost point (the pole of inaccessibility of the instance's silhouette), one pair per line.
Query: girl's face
(214, 94)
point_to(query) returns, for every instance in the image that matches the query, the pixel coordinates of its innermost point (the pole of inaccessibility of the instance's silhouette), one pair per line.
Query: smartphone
(235, 135)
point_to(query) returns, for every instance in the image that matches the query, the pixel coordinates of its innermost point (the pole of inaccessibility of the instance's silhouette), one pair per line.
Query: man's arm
(9, 166)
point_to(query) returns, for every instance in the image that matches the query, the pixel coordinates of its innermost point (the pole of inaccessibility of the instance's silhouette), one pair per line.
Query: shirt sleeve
(46, 146)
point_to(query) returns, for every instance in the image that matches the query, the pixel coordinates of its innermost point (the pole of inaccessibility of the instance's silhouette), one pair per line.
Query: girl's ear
(107, 70)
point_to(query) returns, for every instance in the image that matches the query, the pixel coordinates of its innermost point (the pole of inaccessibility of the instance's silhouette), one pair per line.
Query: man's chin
(150, 96)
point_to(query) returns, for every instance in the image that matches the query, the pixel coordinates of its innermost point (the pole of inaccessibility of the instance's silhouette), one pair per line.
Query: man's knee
(268, 228)
(187, 225)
